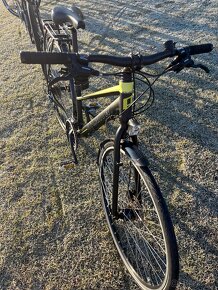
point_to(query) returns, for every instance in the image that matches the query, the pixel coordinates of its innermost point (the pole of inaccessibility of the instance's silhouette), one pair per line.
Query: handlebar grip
(202, 48)
(45, 57)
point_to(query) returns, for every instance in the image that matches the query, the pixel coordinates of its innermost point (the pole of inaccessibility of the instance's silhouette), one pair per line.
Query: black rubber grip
(201, 48)
(45, 57)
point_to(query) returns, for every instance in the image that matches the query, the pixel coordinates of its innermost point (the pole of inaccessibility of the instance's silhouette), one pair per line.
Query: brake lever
(180, 63)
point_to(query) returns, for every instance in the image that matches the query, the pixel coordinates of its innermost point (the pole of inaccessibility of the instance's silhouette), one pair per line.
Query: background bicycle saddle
(53, 233)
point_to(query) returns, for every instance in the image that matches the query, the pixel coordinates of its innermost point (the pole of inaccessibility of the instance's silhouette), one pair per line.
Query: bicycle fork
(125, 109)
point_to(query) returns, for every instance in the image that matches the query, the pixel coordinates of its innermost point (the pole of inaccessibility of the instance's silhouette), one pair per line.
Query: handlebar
(30, 57)
(133, 61)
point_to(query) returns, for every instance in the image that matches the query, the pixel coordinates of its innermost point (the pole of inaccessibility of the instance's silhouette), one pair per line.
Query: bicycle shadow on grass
(192, 283)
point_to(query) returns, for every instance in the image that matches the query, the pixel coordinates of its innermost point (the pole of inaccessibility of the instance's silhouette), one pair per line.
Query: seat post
(74, 40)
(77, 87)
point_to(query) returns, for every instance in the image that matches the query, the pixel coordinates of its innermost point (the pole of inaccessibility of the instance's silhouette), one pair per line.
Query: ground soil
(53, 234)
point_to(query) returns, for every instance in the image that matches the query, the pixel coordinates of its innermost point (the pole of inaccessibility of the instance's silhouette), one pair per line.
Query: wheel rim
(138, 233)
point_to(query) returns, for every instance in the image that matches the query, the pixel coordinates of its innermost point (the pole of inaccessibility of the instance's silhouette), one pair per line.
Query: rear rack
(58, 33)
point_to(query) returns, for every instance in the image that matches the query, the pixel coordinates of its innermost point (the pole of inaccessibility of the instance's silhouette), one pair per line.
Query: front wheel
(143, 232)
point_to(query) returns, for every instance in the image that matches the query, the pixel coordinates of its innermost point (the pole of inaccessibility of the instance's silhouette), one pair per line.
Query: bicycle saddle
(73, 15)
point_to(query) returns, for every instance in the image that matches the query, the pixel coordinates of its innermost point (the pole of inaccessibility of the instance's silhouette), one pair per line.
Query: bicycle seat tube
(125, 108)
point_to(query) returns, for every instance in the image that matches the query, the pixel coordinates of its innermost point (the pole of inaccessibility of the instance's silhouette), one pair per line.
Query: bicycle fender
(135, 154)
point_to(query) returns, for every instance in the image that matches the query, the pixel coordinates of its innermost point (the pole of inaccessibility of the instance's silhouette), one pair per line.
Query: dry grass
(53, 234)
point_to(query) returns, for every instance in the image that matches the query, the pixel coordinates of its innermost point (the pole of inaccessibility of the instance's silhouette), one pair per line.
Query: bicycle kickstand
(69, 164)
(71, 139)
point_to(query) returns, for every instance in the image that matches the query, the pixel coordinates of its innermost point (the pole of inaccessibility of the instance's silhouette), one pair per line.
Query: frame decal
(127, 102)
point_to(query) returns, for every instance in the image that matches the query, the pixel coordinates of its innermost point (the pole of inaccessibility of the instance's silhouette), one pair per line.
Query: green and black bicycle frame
(121, 106)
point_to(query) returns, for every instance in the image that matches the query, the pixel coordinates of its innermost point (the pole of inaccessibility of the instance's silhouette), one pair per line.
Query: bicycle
(136, 212)
(28, 12)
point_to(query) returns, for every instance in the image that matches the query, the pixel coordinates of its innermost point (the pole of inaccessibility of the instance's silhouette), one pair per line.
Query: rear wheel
(143, 231)
(61, 91)
(36, 30)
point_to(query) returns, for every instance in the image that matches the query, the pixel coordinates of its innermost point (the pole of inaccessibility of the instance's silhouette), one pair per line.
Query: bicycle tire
(61, 92)
(36, 30)
(11, 6)
(138, 239)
